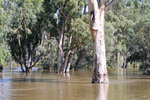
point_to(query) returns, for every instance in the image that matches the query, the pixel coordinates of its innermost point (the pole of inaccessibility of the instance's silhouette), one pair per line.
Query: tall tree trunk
(60, 47)
(66, 61)
(69, 63)
(80, 56)
(77, 62)
(85, 6)
(10, 64)
(22, 68)
(68, 52)
(124, 62)
(134, 65)
(26, 66)
(97, 31)
(118, 59)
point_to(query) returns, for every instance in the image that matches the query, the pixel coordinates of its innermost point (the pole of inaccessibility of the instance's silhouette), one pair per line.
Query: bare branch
(109, 4)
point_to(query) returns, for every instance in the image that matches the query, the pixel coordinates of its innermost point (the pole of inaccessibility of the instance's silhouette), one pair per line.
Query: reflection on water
(100, 91)
(124, 85)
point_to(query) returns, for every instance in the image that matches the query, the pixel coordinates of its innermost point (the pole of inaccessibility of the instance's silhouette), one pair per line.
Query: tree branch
(36, 61)
(78, 45)
(109, 4)
(20, 23)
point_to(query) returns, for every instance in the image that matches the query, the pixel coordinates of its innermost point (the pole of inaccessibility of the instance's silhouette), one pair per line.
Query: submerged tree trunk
(1, 67)
(124, 62)
(66, 60)
(60, 48)
(69, 63)
(96, 21)
(65, 67)
(27, 64)
(22, 68)
(134, 65)
(80, 56)
(97, 31)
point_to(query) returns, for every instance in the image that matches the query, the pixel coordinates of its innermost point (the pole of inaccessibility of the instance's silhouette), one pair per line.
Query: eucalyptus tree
(110, 40)
(49, 20)
(97, 11)
(68, 11)
(123, 17)
(25, 32)
(4, 19)
(141, 39)
(78, 36)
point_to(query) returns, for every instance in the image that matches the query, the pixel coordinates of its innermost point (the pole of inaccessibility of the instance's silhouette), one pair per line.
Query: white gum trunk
(66, 61)
(60, 48)
(69, 63)
(65, 67)
(96, 20)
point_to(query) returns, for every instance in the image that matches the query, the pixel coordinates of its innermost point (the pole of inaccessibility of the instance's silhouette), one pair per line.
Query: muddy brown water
(124, 85)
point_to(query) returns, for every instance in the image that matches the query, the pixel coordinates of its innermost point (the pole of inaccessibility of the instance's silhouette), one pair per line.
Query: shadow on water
(39, 80)
(29, 79)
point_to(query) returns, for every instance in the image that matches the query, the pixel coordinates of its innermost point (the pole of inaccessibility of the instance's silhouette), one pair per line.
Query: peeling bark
(96, 18)
(96, 21)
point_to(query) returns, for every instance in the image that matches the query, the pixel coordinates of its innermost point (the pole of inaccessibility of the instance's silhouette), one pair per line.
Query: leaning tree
(97, 9)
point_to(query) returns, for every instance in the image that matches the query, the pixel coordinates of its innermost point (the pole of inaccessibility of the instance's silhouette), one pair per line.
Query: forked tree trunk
(96, 19)
(60, 48)
(67, 54)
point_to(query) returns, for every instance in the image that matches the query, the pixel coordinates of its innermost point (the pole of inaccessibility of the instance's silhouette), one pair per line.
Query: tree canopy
(30, 31)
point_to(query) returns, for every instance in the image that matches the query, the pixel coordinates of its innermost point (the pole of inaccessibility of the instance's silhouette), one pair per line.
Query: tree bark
(22, 68)
(80, 56)
(1, 67)
(66, 61)
(68, 53)
(69, 63)
(60, 47)
(96, 19)
(134, 65)
(124, 62)
(118, 59)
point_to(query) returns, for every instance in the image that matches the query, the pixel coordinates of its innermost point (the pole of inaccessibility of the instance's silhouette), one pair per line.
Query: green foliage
(49, 59)
(123, 17)
(25, 31)
(3, 54)
(141, 39)
(110, 40)
(82, 39)
(80, 31)
(24, 21)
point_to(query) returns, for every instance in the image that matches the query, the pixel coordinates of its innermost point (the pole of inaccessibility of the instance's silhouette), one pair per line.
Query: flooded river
(124, 85)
